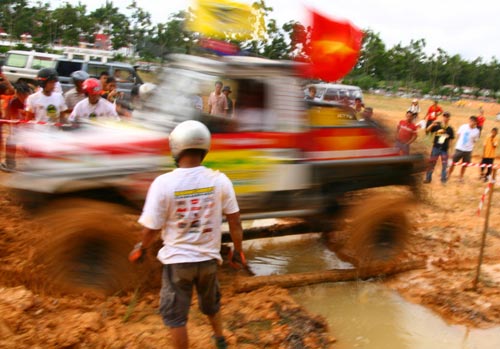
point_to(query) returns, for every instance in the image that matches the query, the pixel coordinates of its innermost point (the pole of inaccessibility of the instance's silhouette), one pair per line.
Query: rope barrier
(471, 164)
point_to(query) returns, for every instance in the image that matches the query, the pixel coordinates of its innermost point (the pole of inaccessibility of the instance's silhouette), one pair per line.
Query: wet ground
(446, 233)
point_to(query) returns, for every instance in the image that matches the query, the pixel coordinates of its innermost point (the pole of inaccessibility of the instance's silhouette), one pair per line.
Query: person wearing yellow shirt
(489, 153)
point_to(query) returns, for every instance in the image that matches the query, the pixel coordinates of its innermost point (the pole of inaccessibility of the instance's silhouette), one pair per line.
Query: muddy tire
(84, 247)
(376, 231)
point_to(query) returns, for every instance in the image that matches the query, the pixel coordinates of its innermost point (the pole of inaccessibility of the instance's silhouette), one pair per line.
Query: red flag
(334, 48)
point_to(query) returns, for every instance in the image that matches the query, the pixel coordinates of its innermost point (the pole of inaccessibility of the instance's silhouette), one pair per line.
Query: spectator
(480, 120)
(76, 94)
(467, 135)
(109, 90)
(217, 101)
(406, 133)
(443, 134)
(6, 93)
(312, 94)
(111, 93)
(414, 108)
(197, 102)
(103, 77)
(186, 206)
(15, 112)
(230, 103)
(46, 105)
(359, 107)
(93, 106)
(433, 113)
(489, 153)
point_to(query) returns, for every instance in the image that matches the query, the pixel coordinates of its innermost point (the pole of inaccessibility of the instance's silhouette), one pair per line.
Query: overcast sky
(465, 27)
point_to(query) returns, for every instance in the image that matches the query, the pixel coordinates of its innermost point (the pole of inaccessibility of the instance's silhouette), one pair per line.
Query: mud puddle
(361, 314)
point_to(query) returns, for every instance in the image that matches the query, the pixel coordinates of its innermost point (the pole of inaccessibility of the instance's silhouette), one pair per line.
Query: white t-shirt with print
(188, 204)
(467, 136)
(83, 110)
(46, 108)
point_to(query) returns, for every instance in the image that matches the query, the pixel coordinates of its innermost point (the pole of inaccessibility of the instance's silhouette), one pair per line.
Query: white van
(24, 65)
(335, 93)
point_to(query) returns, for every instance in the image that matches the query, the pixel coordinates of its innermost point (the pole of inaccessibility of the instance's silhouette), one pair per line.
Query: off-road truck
(286, 158)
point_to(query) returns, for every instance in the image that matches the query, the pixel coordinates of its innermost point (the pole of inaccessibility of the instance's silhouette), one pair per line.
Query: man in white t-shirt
(46, 105)
(186, 206)
(94, 106)
(467, 135)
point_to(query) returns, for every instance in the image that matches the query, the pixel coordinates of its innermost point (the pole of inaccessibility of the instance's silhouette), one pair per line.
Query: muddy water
(361, 314)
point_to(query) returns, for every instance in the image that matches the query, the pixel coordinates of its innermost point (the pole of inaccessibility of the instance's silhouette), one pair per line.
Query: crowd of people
(45, 103)
(436, 124)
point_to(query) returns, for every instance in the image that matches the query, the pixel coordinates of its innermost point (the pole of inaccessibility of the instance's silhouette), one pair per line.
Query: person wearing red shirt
(480, 121)
(14, 112)
(432, 114)
(406, 133)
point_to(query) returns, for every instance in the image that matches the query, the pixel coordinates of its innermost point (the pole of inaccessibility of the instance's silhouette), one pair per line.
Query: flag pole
(491, 184)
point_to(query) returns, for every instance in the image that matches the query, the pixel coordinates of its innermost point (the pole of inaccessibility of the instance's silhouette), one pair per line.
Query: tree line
(401, 67)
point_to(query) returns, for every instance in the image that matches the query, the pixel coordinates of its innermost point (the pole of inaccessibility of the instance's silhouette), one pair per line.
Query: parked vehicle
(336, 93)
(285, 157)
(24, 65)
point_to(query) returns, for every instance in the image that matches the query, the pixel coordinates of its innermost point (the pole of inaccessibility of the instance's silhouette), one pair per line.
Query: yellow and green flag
(220, 18)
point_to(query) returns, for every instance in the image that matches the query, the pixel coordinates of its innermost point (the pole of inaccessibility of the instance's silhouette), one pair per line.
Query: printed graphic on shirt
(466, 137)
(194, 210)
(52, 112)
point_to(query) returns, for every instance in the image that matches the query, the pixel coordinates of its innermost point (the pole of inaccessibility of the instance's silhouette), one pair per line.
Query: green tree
(140, 23)
(372, 59)
(113, 23)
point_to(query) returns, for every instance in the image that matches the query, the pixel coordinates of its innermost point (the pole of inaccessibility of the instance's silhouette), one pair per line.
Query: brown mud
(446, 233)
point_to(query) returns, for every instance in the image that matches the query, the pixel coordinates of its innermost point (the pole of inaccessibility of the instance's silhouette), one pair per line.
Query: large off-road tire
(85, 246)
(375, 231)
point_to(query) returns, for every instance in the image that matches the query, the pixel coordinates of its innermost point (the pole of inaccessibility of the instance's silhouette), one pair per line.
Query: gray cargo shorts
(177, 290)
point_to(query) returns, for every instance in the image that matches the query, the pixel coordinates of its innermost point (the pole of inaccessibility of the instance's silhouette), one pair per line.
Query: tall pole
(491, 185)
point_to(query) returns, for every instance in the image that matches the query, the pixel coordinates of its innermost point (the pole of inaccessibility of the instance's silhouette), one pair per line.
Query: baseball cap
(227, 88)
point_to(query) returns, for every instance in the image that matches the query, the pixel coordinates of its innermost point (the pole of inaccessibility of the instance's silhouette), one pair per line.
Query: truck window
(251, 112)
(331, 95)
(95, 70)
(43, 62)
(123, 75)
(16, 60)
(65, 68)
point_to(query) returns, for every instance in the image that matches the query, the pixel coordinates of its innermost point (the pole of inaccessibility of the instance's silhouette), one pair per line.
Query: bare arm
(235, 229)
(149, 236)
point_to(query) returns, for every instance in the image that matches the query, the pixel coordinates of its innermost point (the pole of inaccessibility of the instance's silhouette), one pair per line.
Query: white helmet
(189, 134)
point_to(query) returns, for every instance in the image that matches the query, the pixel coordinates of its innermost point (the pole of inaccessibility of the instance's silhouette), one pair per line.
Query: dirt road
(447, 233)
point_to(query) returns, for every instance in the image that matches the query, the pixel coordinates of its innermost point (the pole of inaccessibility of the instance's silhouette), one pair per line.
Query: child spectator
(489, 153)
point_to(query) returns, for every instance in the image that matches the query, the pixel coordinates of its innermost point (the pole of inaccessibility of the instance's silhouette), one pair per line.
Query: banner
(220, 18)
